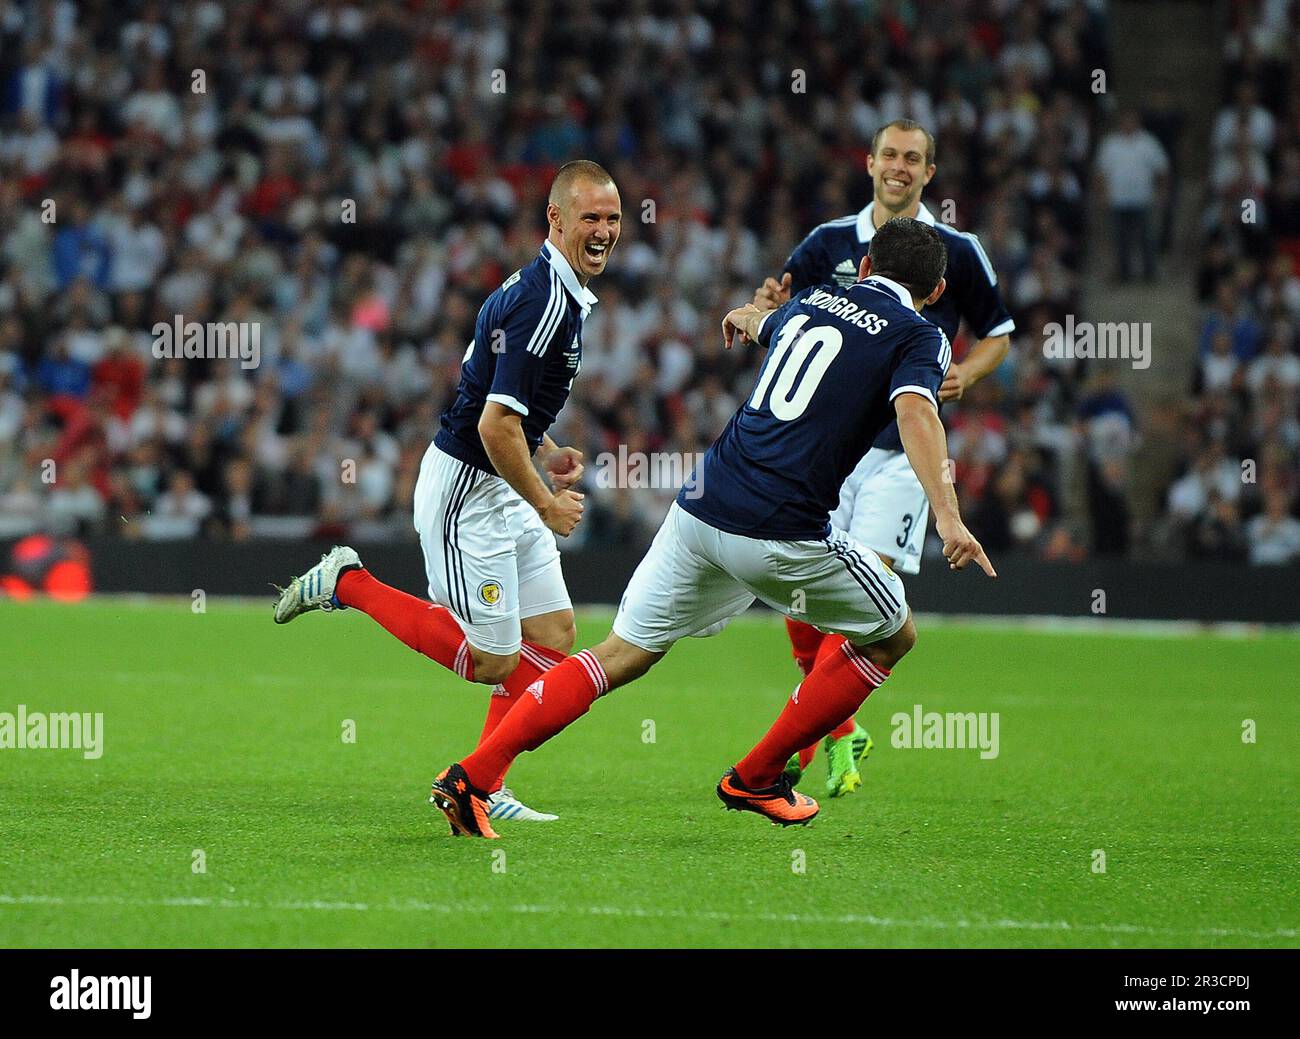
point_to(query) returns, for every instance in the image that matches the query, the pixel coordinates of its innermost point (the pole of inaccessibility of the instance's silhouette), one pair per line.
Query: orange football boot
(779, 802)
(464, 804)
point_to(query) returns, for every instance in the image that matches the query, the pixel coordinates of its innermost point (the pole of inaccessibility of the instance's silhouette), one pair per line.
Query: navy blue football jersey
(526, 350)
(832, 252)
(836, 359)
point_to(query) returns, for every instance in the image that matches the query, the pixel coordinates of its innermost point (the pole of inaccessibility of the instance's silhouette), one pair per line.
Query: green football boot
(842, 759)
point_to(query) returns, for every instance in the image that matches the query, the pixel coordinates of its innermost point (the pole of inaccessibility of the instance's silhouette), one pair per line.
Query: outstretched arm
(926, 445)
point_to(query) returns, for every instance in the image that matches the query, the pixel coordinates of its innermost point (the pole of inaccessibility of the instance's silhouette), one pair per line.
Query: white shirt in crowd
(1273, 542)
(1259, 125)
(1217, 372)
(1285, 368)
(1190, 496)
(1131, 164)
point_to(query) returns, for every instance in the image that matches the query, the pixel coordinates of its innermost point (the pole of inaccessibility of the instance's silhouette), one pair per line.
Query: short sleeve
(528, 326)
(922, 364)
(981, 302)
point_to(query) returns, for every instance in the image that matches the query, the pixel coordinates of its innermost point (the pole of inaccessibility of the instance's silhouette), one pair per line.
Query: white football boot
(504, 805)
(314, 590)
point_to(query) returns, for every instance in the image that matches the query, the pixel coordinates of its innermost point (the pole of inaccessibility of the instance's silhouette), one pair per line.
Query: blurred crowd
(1235, 497)
(356, 178)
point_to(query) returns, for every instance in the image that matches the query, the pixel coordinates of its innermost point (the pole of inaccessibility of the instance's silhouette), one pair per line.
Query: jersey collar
(867, 228)
(582, 296)
(875, 281)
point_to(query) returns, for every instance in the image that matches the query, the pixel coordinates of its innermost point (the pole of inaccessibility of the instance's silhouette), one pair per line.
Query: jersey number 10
(794, 379)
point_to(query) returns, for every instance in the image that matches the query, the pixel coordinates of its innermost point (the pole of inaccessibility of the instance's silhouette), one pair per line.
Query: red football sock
(561, 696)
(424, 626)
(834, 690)
(829, 644)
(843, 729)
(533, 661)
(805, 640)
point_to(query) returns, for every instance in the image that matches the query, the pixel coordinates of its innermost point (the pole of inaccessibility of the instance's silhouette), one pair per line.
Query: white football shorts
(695, 577)
(489, 557)
(883, 506)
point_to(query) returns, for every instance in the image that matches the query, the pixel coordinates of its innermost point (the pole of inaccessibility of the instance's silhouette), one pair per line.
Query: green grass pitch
(223, 734)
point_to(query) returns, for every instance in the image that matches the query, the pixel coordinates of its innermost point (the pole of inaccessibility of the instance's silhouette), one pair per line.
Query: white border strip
(486, 909)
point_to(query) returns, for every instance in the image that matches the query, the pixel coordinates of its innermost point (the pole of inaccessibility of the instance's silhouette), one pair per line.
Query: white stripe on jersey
(980, 254)
(551, 316)
(920, 391)
(839, 221)
(509, 401)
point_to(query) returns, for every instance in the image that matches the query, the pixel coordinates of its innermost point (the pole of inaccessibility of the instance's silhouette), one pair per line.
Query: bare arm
(502, 432)
(926, 445)
(983, 360)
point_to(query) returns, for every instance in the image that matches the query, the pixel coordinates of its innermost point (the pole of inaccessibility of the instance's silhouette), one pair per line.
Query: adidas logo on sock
(536, 690)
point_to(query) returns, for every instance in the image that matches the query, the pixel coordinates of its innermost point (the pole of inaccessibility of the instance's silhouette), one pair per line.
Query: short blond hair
(571, 172)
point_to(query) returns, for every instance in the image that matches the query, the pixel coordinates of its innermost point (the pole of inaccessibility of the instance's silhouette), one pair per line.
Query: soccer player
(841, 364)
(882, 504)
(501, 613)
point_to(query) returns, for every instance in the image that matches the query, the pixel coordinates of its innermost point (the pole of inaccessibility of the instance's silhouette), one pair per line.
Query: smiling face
(899, 171)
(585, 225)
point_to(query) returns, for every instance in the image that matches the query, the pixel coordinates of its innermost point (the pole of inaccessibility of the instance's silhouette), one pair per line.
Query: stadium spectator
(354, 179)
(1110, 433)
(1133, 170)
(1274, 535)
(1234, 495)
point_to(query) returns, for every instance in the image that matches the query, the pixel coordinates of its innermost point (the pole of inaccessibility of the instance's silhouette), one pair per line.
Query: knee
(622, 661)
(493, 669)
(563, 638)
(557, 631)
(906, 638)
(888, 652)
(903, 641)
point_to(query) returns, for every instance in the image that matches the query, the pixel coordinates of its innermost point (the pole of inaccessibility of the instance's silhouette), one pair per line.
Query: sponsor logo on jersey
(846, 273)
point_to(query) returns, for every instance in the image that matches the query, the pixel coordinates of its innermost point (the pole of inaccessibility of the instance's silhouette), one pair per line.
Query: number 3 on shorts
(908, 520)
